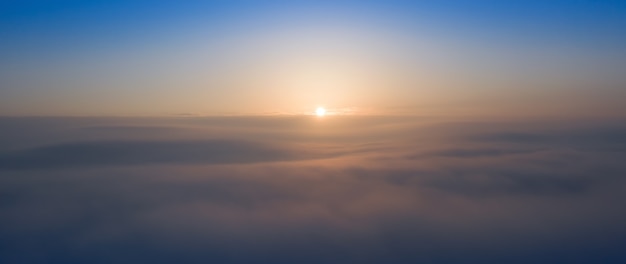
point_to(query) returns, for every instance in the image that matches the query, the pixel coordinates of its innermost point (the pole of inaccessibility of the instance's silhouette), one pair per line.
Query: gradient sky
(271, 57)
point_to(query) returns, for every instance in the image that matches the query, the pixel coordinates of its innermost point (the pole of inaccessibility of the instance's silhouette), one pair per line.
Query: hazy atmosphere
(313, 131)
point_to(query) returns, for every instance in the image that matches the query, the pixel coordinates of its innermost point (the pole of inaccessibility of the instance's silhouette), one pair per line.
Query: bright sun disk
(320, 111)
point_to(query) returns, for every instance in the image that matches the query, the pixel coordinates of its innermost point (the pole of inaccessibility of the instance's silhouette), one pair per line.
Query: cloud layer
(287, 190)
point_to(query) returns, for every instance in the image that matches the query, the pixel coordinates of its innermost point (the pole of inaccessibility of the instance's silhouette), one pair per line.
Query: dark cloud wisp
(120, 153)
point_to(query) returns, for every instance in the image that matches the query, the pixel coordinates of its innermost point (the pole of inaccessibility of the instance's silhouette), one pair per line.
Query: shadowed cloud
(478, 152)
(119, 153)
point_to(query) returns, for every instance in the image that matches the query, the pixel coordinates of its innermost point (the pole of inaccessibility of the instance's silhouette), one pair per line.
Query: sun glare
(320, 111)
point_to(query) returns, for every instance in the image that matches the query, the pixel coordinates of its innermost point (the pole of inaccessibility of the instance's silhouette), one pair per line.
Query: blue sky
(64, 22)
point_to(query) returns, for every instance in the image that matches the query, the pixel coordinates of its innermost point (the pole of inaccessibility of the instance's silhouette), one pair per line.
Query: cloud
(120, 153)
(296, 194)
(603, 137)
(477, 152)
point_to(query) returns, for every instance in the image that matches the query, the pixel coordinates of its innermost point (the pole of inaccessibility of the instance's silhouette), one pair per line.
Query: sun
(320, 111)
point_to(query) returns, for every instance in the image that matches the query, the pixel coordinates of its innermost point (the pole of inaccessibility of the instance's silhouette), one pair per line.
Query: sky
(475, 131)
(163, 58)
